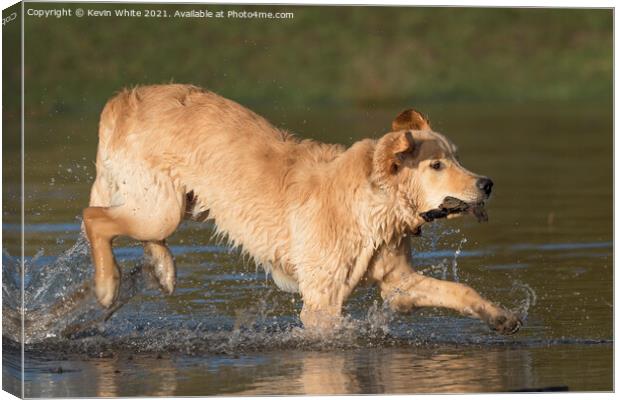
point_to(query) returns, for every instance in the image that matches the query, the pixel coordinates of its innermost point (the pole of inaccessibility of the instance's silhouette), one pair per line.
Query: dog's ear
(410, 119)
(391, 153)
(405, 146)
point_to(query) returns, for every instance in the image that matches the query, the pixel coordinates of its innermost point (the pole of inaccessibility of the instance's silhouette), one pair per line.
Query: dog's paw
(506, 323)
(107, 290)
(160, 265)
(167, 281)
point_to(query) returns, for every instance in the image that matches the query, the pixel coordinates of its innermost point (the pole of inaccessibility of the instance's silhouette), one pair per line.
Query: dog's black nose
(485, 185)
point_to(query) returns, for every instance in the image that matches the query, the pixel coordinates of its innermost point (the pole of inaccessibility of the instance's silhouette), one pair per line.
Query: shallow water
(546, 252)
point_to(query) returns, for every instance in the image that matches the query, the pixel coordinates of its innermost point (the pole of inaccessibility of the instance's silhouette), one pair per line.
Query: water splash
(182, 337)
(455, 275)
(58, 297)
(435, 236)
(378, 319)
(528, 301)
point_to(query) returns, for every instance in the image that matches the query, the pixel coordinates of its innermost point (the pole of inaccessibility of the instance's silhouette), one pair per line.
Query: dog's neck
(383, 216)
(385, 219)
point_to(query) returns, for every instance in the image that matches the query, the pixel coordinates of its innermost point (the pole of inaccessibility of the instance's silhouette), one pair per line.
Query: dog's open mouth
(452, 205)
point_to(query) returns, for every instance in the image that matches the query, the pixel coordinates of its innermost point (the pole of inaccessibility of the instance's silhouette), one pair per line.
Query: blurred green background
(360, 56)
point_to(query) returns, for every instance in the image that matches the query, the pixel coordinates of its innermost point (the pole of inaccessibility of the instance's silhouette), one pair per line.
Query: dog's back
(184, 115)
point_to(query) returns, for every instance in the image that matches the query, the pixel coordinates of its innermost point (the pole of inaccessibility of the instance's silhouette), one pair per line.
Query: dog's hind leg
(160, 261)
(146, 212)
(103, 224)
(99, 196)
(101, 228)
(158, 257)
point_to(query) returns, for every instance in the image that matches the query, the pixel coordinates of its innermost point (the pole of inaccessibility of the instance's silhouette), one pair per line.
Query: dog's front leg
(410, 289)
(322, 308)
(405, 289)
(321, 318)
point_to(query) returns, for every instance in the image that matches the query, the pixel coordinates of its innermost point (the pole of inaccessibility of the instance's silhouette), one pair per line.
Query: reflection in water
(397, 371)
(327, 374)
(408, 371)
(157, 377)
(101, 377)
(107, 384)
(371, 371)
(318, 373)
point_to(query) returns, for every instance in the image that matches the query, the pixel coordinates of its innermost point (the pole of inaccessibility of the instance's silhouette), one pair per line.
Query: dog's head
(420, 167)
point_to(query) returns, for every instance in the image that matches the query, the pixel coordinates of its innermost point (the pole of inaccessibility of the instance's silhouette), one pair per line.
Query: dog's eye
(436, 165)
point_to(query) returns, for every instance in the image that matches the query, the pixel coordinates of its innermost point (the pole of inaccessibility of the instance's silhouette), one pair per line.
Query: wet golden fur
(318, 217)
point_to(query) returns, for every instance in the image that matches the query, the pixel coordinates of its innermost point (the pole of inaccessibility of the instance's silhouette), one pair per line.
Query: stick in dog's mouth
(452, 205)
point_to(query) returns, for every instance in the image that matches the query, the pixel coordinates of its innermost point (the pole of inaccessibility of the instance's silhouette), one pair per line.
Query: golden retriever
(318, 217)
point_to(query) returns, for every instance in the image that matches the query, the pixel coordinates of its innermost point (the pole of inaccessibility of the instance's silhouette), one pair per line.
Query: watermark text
(155, 13)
